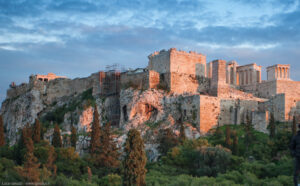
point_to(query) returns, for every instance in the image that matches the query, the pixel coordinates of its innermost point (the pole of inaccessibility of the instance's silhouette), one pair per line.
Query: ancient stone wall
(291, 89)
(218, 80)
(187, 83)
(187, 63)
(159, 61)
(139, 80)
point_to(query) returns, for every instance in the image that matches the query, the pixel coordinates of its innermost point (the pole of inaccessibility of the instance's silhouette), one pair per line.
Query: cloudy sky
(77, 38)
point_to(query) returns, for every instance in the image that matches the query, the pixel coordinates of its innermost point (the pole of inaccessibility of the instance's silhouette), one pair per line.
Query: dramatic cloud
(77, 38)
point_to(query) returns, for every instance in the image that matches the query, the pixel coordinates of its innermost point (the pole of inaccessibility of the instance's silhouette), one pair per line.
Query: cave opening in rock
(151, 111)
(124, 109)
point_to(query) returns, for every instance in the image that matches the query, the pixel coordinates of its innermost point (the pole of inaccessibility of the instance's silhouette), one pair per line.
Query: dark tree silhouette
(56, 141)
(167, 140)
(228, 141)
(135, 159)
(36, 131)
(73, 137)
(272, 126)
(235, 145)
(108, 152)
(182, 136)
(2, 136)
(294, 127)
(96, 133)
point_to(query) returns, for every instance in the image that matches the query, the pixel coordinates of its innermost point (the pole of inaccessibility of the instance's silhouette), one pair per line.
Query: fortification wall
(291, 89)
(135, 80)
(209, 112)
(187, 63)
(65, 87)
(159, 61)
(186, 83)
(276, 105)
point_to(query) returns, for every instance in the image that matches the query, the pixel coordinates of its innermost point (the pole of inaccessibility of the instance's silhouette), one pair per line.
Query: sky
(77, 38)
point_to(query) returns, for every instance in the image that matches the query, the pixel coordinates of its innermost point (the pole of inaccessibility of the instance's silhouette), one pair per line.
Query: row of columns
(282, 72)
(247, 77)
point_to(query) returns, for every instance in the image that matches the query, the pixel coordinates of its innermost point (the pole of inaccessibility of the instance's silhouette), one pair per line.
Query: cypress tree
(182, 136)
(51, 159)
(2, 137)
(30, 171)
(294, 127)
(56, 141)
(272, 126)
(73, 137)
(228, 141)
(21, 145)
(135, 159)
(108, 152)
(95, 133)
(235, 146)
(36, 131)
(248, 131)
(167, 140)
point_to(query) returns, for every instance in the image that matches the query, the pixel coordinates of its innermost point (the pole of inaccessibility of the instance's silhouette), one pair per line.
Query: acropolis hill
(175, 87)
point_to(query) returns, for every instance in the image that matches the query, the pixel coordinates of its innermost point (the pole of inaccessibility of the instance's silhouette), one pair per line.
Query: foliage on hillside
(229, 155)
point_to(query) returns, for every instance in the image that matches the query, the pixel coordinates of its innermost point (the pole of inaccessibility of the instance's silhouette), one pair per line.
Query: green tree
(36, 131)
(167, 140)
(135, 159)
(294, 127)
(2, 137)
(56, 141)
(95, 133)
(73, 137)
(108, 152)
(272, 126)
(228, 141)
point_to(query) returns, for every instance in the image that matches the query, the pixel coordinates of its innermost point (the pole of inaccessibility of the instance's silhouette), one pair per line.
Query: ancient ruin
(175, 87)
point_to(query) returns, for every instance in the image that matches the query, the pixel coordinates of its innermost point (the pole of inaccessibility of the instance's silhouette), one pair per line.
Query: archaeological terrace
(206, 94)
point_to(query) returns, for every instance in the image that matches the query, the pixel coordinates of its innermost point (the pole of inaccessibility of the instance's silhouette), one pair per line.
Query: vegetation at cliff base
(228, 155)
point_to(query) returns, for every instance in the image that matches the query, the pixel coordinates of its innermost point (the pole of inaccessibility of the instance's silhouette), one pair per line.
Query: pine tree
(56, 141)
(73, 137)
(135, 159)
(272, 126)
(182, 136)
(36, 131)
(167, 140)
(96, 133)
(2, 137)
(30, 171)
(108, 152)
(228, 141)
(294, 127)
(235, 146)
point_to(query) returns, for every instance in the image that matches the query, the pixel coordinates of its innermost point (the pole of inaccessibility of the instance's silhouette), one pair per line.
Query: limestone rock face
(152, 110)
(19, 111)
(86, 119)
